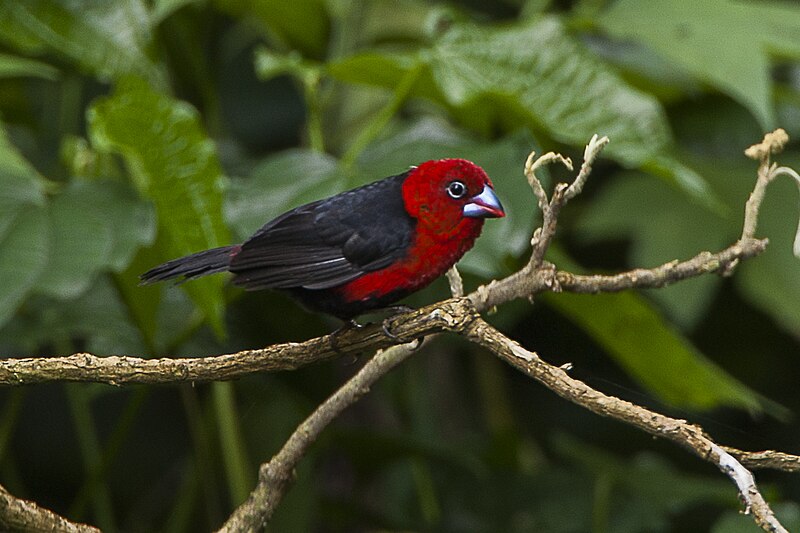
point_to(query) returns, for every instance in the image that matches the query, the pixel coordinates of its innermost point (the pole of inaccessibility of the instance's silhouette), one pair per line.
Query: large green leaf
(173, 163)
(96, 316)
(23, 256)
(301, 24)
(95, 226)
(656, 355)
(533, 73)
(280, 182)
(20, 182)
(24, 236)
(109, 39)
(551, 79)
(720, 42)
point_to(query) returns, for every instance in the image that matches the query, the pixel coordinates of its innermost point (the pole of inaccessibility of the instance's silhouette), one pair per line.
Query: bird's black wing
(329, 242)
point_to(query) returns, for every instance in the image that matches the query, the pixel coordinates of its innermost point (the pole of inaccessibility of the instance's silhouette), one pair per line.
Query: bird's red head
(450, 197)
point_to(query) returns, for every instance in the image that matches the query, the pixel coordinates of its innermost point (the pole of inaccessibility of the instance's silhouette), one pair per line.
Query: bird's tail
(192, 266)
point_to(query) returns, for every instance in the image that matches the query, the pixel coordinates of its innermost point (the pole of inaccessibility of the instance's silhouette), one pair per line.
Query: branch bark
(17, 514)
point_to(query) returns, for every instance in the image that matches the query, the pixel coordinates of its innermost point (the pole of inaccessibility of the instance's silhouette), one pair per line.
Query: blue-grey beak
(484, 205)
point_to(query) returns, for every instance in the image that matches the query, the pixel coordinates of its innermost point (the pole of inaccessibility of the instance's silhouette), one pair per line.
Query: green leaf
(164, 8)
(109, 39)
(536, 74)
(20, 183)
(725, 44)
(81, 244)
(97, 317)
(15, 66)
(95, 226)
(280, 182)
(300, 24)
(636, 336)
(174, 164)
(23, 256)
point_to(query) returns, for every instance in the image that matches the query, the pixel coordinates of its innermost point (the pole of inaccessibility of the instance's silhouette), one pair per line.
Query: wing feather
(328, 243)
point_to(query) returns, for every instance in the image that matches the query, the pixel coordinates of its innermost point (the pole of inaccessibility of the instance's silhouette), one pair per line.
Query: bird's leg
(394, 310)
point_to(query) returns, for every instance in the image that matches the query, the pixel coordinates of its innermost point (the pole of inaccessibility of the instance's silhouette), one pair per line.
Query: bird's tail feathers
(192, 266)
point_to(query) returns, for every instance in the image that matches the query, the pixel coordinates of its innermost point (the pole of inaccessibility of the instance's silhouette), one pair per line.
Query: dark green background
(136, 131)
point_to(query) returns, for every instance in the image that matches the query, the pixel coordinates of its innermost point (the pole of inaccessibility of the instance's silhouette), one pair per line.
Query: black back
(327, 243)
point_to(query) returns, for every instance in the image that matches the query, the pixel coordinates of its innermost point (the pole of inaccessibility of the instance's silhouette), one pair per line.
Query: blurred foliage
(135, 131)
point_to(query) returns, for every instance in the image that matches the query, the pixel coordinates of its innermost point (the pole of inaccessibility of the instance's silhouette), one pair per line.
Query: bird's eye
(456, 189)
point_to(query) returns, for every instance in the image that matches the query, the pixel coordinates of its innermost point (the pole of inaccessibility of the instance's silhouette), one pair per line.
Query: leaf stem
(373, 129)
(314, 123)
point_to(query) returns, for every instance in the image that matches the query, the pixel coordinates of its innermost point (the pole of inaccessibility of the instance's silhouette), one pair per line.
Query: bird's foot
(347, 326)
(387, 330)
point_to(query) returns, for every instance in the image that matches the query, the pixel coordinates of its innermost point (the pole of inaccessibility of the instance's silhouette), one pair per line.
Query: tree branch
(17, 514)
(687, 435)
(276, 476)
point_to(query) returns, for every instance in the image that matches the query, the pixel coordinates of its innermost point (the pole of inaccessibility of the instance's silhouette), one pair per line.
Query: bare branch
(275, 476)
(767, 459)
(119, 370)
(687, 435)
(531, 281)
(17, 514)
(455, 281)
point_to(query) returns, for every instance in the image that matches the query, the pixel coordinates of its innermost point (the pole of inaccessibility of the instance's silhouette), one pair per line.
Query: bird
(360, 250)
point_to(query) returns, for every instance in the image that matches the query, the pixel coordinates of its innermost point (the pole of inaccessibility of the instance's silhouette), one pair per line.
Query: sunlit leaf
(174, 164)
(109, 39)
(722, 43)
(551, 80)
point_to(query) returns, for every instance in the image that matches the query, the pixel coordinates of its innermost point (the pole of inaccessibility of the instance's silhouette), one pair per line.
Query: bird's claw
(386, 328)
(348, 325)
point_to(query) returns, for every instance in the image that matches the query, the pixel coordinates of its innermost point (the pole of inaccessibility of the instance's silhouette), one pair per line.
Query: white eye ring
(456, 189)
